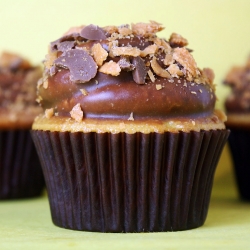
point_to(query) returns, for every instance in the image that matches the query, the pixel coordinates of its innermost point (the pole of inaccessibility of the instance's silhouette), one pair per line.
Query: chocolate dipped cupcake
(129, 139)
(237, 106)
(20, 171)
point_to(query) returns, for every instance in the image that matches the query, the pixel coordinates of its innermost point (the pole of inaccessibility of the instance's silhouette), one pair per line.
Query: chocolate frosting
(134, 74)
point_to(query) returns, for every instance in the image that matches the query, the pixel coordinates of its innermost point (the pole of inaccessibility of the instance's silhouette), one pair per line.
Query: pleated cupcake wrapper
(239, 142)
(129, 182)
(20, 170)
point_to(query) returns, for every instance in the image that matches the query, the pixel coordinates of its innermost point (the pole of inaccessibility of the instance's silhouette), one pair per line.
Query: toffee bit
(151, 76)
(182, 56)
(84, 91)
(77, 113)
(99, 54)
(49, 113)
(177, 40)
(131, 117)
(158, 69)
(168, 60)
(110, 68)
(158, 86)
(146, 29)
(151, 49)
(45, 84)
(125, 51)
(174, 70)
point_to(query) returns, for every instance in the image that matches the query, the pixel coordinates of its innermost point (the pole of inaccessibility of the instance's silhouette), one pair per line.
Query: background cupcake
(238, 110)
(129, 139)
(20, 171)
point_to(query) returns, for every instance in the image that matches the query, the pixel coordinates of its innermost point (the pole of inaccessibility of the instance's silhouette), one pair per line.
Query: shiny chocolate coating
(118, 96)
(115, 97)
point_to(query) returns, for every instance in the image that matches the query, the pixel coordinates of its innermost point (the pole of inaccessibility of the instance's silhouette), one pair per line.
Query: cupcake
(129, 139)
(20, 171)
(237, 106)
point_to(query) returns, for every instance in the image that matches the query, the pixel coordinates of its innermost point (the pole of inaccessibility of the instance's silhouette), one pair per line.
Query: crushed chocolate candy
(140, 71)
(93, 32)
(125, 64)
(110, 68)
(65, 46)
(77, 113)
(70, 37)
(81, 65)
(99, 53)
(158, 69)
(177, 40)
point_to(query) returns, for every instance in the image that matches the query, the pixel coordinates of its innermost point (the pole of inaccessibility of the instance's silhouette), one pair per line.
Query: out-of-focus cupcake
(129, 140)
(237, 106)
(20, 171)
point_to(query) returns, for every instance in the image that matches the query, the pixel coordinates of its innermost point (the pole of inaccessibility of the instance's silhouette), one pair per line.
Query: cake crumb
(77, 113)
(131, 118)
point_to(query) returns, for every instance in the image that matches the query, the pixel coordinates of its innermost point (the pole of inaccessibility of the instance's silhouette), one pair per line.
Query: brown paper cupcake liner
(20, 170)
(129, 182)
(239, 143)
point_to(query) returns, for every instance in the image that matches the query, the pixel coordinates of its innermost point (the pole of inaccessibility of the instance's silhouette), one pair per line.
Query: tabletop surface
(26, 224)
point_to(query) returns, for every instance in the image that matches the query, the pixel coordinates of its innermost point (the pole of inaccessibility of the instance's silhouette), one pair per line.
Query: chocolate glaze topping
(115, 71)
